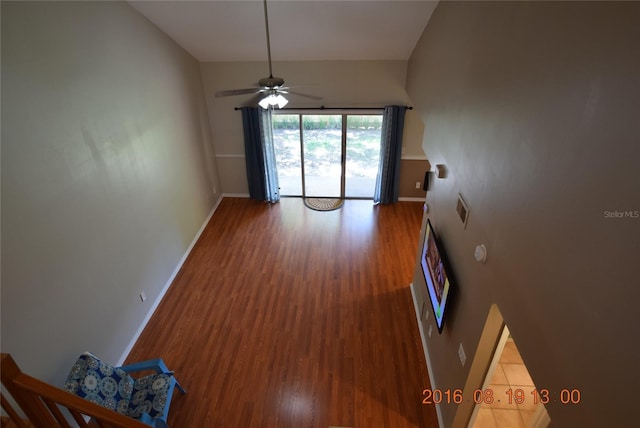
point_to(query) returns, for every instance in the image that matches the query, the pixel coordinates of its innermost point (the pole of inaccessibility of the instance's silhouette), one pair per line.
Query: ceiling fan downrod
(266, 25)
(270, 89)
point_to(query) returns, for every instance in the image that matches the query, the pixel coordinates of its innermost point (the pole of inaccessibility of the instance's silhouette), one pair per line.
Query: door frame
(344, 114)
(492, 342)
(497, 353)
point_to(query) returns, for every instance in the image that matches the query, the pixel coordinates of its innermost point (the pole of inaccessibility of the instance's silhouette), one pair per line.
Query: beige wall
(107, 175)
(411, 172)
(339, 83)
(534, 109)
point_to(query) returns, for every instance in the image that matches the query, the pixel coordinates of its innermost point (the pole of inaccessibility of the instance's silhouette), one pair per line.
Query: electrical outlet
(461, 354)
(417, 184)
(143, 296)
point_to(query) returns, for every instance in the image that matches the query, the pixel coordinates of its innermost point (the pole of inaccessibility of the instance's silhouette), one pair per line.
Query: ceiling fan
(271, 90)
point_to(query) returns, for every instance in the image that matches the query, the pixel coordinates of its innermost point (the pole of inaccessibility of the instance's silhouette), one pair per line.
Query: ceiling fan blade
(237, 92)
(313, 97)
(253, 101)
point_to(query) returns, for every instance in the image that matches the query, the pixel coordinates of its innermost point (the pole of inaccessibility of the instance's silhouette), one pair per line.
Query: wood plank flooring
(287, 317)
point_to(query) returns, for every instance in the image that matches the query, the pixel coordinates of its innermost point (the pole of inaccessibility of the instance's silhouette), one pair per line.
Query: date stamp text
(510, 396)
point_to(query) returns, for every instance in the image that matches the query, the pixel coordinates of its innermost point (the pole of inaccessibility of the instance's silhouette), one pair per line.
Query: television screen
(435, 275)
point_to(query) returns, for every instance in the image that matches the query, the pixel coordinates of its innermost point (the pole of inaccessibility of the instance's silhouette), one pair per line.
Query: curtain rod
(333, 108)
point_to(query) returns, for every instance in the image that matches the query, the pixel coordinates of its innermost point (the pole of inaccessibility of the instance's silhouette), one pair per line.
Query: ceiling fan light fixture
(272, 100)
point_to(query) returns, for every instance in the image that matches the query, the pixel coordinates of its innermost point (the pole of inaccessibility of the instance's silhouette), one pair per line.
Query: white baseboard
(153, 308)
(411, 199)
(423, 339)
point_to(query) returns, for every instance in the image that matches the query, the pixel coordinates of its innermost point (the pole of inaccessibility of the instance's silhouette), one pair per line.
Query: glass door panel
(286, 139)
(363, 155)
(322, 148)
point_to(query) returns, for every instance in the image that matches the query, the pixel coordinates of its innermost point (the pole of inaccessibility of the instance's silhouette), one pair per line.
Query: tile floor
(510, 373)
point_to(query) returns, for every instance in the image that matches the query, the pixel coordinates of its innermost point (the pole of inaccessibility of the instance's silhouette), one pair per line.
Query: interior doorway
(327, 155)
(515, 401)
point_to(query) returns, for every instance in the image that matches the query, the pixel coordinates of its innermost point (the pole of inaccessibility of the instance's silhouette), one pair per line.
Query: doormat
(323, 204)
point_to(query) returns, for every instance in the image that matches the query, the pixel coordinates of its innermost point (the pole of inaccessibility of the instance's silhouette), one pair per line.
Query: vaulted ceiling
(301, 30)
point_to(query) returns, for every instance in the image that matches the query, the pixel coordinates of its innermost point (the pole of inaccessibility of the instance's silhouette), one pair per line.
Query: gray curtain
(387, 180)
(260, 156)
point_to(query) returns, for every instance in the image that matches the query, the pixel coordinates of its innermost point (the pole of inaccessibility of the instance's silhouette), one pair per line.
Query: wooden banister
(40, 402)
(13, 415)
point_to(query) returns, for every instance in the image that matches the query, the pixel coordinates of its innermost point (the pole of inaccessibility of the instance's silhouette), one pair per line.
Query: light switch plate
(461, 354)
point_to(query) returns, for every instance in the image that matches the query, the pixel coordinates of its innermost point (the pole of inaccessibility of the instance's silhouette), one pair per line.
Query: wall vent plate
(463, 210)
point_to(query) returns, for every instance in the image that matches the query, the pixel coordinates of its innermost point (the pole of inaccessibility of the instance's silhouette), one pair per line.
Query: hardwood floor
(287, 317)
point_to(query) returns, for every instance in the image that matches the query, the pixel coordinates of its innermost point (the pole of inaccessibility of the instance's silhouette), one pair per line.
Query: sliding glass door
(363, 133)
(322, 153)
(327, 155)
(286, 141)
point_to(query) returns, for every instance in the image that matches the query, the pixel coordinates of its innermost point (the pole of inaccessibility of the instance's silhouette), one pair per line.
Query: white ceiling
(301, 30)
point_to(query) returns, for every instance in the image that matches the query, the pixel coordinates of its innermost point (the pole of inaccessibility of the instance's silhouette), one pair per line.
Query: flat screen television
(434, 268)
